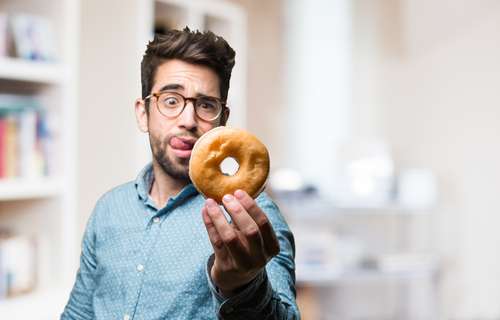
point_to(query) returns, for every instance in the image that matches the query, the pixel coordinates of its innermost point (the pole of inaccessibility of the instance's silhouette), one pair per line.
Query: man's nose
(187, 119)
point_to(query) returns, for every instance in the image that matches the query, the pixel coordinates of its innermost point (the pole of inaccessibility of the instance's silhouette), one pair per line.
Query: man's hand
(242, 248)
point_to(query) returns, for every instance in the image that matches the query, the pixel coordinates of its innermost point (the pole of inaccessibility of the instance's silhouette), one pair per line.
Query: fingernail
(228, 198)
(210, 203)
(239, 194)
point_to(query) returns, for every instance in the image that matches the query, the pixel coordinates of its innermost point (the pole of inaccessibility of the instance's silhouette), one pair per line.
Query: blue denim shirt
(142, 262)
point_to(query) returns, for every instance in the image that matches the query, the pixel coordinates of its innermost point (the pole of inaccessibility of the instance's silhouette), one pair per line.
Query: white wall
(109, 83)
(266, 110)
(426, 78)
(318, 86)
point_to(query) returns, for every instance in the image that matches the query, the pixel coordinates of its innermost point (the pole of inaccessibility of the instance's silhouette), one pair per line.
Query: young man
(154, 248)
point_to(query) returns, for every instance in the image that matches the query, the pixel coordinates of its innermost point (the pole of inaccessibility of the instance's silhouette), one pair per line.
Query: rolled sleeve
(271, 294)
(250, 300)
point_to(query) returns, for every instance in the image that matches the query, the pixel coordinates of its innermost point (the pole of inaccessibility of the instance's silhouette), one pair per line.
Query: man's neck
(164, 186)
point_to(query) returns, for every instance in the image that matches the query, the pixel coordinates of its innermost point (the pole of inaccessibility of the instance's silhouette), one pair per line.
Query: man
(154, 248)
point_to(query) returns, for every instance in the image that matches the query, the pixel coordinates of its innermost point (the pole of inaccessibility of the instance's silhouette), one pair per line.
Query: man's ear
(224, 116)
(141, 115)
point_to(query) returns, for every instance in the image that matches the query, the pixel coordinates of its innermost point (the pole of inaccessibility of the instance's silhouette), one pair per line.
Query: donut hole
(229, 166)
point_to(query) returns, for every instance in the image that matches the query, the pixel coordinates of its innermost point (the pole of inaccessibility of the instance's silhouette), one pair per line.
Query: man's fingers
(271, 243)
(227, 233)
(215, 239)
(246, 225)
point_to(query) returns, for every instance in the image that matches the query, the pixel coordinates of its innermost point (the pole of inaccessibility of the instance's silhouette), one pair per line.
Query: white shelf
(39, 305)
(322, 276)
(329, 214)
(17, 189)
(31, 71)
(387, 208)
(54, 85)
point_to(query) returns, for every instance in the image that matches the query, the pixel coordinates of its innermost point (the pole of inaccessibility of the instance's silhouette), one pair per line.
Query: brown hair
(202, 48)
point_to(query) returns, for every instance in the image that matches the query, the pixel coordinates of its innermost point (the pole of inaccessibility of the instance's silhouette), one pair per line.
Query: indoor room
(380, 118)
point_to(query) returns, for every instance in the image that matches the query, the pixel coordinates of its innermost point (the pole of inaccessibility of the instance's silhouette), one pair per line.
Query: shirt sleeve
(79, 306)
(271, 294)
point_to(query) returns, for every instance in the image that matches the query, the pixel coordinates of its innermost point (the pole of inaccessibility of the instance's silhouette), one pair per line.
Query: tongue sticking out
(177, 143)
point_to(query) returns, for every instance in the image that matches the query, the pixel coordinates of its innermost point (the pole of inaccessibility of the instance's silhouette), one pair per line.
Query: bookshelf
(19, 189)
(17, 69)
(43, 207)
(383, 249)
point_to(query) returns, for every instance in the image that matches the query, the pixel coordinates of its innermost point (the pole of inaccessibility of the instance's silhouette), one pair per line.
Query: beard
(178, 170)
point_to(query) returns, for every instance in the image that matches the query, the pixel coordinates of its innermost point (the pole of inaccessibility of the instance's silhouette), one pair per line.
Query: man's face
(172, 139)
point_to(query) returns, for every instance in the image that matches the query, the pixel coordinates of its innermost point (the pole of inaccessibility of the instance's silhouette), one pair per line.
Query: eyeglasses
(172, 104)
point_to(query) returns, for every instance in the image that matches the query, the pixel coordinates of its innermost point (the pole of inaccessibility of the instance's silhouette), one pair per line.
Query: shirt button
(126, 317)
(140, 267)
(156, 219)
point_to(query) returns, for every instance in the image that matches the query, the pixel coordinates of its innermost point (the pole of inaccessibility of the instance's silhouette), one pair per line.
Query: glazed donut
(218, 144)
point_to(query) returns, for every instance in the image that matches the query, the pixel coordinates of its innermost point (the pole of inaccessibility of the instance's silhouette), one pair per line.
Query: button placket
(137, 285)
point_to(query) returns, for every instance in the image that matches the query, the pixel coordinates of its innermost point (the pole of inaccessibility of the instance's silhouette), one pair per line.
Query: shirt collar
(145, 179)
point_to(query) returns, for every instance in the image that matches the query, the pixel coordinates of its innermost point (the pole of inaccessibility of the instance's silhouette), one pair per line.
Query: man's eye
(208, 105)
(170, 101)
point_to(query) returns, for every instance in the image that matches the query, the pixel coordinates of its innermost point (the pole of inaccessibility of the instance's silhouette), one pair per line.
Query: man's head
(188, 64)
(194, 47)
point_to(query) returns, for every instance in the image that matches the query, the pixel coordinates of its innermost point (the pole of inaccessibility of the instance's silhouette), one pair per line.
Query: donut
(213, 147)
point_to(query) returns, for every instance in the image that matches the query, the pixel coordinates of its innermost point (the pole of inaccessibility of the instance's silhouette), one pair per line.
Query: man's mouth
(182, 146)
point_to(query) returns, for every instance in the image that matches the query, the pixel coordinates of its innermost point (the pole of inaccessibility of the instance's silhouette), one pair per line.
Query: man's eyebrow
(172, 86)
(176, 86)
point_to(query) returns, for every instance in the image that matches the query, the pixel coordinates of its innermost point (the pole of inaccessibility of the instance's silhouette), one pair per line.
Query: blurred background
(381, 118)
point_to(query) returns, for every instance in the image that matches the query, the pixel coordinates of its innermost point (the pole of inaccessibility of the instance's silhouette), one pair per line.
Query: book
(45, 145)
(17, 265)
(33, 37)
(15, 102)
(24, 138)
(27, 144)
(11, 146)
